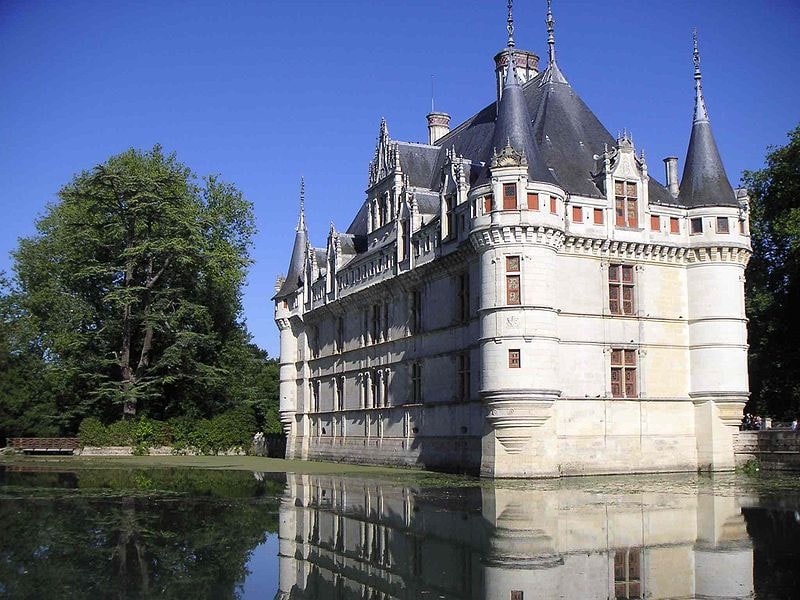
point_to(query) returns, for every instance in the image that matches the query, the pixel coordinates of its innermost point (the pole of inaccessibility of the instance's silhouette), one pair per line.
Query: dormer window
(509, 196)
(626, 204)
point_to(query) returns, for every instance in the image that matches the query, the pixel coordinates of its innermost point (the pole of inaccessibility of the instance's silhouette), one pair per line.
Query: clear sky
(262, 92)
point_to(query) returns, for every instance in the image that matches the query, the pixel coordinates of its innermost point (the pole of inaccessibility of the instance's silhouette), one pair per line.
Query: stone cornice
(499, 235)
(653, 251)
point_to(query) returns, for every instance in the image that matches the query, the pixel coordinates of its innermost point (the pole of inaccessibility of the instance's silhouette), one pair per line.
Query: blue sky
(262, 92)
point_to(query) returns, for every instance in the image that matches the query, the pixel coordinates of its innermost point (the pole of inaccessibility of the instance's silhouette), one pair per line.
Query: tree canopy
(773, 281)
(128, 299)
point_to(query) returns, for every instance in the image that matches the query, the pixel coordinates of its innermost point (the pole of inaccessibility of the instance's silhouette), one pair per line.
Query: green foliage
(230, 430)
(127, 302)
(773, 282)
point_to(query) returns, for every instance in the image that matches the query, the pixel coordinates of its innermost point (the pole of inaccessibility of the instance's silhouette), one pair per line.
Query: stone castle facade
(520, 297)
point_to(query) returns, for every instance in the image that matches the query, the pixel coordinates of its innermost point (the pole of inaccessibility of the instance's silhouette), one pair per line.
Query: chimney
(438, 126)
(671, 165)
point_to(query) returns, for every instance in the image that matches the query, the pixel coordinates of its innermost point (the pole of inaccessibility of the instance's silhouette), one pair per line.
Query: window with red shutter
(620, 290)
(513, 359)
(487, 204)
(623, 373)
(655, 223)
(577, 214)
(553, 204)
(598, 216)
(513, 295)
(626, 204)
(509, 196)
(674, 225)
(533, 201)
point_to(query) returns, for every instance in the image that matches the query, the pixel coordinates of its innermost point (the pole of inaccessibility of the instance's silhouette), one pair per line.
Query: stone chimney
(671, 166)
(527, 64)
(438, 126)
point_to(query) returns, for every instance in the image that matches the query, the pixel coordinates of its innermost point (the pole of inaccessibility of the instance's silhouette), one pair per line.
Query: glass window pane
(512, 263)
(627, 274)
(616, 357)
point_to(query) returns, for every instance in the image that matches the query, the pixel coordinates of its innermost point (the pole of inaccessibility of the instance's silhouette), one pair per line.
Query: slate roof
(704, 181)
(294, 278)
(418, 161)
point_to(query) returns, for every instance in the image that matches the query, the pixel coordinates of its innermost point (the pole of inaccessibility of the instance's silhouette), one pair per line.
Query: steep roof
(417, 162)
(294, 277)
(513, 127)
(704, 181)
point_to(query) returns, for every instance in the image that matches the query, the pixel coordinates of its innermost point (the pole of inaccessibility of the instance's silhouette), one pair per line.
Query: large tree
(773, 281)
(132, 285)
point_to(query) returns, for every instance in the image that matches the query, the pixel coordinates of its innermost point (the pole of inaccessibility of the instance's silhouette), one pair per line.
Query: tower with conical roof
(288, 308)
(715, 291)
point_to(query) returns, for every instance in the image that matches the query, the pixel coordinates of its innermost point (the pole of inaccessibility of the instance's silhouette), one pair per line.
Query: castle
(520, 297)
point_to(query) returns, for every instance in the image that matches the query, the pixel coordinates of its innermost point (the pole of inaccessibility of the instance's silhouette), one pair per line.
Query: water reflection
(342, 539)
(181, 533)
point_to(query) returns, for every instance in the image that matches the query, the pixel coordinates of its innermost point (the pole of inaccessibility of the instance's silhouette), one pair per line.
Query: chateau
(520, 297)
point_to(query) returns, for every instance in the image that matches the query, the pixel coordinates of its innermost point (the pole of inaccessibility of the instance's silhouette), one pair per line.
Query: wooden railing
(46, 445)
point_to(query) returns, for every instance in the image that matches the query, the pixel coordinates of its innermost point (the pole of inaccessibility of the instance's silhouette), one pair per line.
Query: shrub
(92, 432)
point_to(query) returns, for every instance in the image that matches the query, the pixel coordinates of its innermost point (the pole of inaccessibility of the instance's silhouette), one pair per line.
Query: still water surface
(190, 533)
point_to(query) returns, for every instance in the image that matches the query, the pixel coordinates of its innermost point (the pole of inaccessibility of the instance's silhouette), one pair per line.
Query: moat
(134, 532)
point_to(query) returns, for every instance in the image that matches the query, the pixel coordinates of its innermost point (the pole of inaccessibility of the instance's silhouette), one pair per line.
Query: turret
(718, 254)
(518, 339)
(526, 64)
(288, 305)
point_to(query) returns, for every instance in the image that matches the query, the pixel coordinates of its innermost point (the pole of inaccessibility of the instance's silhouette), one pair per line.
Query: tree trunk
(128, 376)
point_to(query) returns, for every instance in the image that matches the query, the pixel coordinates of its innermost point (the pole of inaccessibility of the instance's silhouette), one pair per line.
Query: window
(509, 196)
(513, 359)
(577, 214)
(385, 323)
(620, 289)
(696, 225)
(340, 393)
(463, 376)
(463, 297)
(533, 201)
(623, 373)
(516, 595)
(512, 280)
(313, 341)
(385, 398)
(416, 311)
(376, 389)
(487, 204)
(674, 225)
(722, 225)
(553, 204)
(627, 574)
(340, 334)
(416, 382)
(315, 394)
(626, 204)
(598, 216)
(655, 223)
(376, 323)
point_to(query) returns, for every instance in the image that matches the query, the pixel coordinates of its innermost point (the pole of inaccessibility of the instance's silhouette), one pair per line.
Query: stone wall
(777, 450)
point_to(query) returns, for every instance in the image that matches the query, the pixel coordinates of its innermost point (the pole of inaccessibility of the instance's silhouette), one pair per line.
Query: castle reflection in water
(350, 538)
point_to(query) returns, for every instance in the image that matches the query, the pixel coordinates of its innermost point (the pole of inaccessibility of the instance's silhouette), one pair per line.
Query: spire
(551, 38)
(301, 221)
(700, 111)
(513, 136)
(294, 278)
(510, 26)
(553, 74)
(704, 181)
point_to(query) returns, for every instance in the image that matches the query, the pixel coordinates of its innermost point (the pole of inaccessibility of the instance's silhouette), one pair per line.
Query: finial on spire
(301, 222)
(700, 111)
(510, 25)
(551, 38)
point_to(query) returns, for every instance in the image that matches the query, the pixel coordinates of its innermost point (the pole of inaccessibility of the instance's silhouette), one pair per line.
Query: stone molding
(500, 235)
(515, 413)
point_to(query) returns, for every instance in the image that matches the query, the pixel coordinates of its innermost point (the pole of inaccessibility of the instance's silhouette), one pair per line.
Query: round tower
(518, 335)
(719, 249)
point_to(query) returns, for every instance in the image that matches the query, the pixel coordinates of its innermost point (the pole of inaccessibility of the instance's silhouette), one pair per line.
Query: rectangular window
(385, 323)
(627, 574)
(620, 289)
(487, 204)
(416, 311)
(623, 373)
(463, 376)
(509, 196)
(513, 359)
(674, 225)
(655, 223)
(598, 216)
(722, 225)
(463, 297)
(577, 214)
(626, 197)
(533, 201)
(513, 280)
(313, 341)
(340, 393)
(376, 323)
(340, 334)
(315, 394)
(553, 205)
(416, 382)
(516, 595)
(696, 225)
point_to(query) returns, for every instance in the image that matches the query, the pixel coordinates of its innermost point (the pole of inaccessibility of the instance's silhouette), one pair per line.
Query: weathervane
(510, 25)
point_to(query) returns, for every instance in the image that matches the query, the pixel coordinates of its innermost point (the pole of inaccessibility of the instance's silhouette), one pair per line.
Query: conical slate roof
(294, 277)
(513, 127)
(704, 181)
